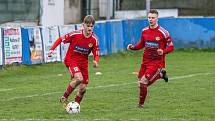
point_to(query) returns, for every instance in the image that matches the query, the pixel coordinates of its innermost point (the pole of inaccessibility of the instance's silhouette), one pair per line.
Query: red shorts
(75, 68)
(151, 72)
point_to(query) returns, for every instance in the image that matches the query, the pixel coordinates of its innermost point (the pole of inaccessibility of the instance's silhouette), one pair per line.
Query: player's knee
(79, 80)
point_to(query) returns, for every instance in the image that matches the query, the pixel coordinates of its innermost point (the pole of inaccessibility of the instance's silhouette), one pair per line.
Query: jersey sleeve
(169, 45)
(139, 45)
(56, 43)
(95, 50)
(68, 38)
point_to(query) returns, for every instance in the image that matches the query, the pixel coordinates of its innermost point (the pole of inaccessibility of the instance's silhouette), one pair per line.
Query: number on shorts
(75, 69)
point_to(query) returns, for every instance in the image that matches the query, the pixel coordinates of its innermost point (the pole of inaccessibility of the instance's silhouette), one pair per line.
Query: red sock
(143, 93)
(68, 91)
(78, 99)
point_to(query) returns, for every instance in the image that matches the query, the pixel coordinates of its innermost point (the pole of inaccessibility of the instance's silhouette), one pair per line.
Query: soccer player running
(82, 42)
(156, 42)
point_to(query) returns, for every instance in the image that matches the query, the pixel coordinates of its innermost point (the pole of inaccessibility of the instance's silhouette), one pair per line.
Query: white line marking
(191, 75)
(3, 90)
(111, 85)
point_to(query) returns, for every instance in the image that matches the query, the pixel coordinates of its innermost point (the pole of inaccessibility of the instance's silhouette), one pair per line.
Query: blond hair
(89, 19)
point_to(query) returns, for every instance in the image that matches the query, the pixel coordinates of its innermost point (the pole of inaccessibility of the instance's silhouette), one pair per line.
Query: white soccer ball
(98, 73)
(73, 107)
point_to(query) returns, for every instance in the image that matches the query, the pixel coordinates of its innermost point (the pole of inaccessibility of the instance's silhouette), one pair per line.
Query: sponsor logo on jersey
(81, 50)
(90, 45)
(150, 44)
(157, 38)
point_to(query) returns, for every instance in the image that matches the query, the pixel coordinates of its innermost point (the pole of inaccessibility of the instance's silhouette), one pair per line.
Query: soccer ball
(73, 107)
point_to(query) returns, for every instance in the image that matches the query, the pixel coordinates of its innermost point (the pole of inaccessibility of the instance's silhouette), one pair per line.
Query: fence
(30, 45)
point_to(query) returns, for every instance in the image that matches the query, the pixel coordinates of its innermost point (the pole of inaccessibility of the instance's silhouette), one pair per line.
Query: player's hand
(50, 53)
(129, 47)
(160, 51)
(95, 64)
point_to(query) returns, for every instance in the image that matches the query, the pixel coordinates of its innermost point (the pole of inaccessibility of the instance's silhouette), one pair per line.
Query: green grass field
(31, 93)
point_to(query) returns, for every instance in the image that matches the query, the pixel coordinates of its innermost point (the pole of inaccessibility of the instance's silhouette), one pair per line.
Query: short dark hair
(89, 19)
(153, 11)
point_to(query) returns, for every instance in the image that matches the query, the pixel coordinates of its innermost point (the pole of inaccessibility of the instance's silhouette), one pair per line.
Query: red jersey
(152, 40)
(80, 47)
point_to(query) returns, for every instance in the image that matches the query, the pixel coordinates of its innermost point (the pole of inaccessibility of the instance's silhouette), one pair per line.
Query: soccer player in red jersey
(82, 43)
(156, 42)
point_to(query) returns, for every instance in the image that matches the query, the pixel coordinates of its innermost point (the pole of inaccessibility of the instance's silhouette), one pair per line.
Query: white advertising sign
(12, 45)
(35, 42)
(1, 48)
(65, 30)
(50, 35)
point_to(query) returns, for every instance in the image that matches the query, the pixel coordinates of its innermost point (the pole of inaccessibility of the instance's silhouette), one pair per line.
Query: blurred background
(61, 12)
(30, 27)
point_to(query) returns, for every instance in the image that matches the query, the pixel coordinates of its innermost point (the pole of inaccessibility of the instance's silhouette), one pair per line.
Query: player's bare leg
(78, 78)
(143, 83)
(80, 93)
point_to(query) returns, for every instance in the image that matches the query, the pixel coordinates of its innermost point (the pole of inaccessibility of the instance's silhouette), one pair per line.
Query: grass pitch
(32, 92)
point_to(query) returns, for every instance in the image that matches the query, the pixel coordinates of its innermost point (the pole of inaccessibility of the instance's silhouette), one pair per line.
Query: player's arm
(138, 46)
(66, 38)
(170, 46)
(95, 52)
(56, 43)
